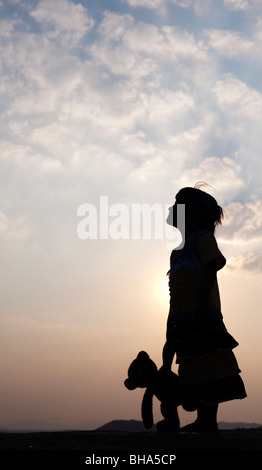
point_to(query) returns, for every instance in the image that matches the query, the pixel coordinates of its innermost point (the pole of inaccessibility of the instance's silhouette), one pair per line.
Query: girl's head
(201, 210)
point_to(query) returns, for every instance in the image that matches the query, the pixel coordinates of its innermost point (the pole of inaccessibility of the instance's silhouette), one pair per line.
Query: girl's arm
(168, 354)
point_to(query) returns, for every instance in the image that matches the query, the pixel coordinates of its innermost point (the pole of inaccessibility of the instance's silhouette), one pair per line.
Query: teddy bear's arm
(147, 409)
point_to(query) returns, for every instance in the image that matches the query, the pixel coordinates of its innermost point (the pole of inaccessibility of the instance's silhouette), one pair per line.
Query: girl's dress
(208, 370)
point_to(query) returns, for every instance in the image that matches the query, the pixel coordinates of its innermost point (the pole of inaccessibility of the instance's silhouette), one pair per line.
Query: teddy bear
(163, 384)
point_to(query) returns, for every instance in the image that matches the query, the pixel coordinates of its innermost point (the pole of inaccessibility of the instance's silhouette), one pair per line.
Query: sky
(128, 101)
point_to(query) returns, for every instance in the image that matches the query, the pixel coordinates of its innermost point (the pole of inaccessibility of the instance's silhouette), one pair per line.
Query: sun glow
(161, 290)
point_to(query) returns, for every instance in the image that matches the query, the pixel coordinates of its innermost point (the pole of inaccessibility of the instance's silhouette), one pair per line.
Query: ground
(244, 446)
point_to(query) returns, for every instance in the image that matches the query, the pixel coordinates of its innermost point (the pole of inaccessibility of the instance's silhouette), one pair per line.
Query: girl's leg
(206, 420)
(207, 414)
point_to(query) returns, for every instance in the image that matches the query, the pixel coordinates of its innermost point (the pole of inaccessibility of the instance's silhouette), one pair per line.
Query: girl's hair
(208, 213)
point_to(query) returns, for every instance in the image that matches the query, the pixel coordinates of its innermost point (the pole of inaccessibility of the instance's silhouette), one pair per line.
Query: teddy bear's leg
(171, 422)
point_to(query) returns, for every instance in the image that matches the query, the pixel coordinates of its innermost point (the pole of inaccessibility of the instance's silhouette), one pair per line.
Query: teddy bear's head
(141, 372)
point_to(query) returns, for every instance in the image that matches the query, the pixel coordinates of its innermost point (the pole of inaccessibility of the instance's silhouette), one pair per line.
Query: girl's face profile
(181, 198)
(172, 216)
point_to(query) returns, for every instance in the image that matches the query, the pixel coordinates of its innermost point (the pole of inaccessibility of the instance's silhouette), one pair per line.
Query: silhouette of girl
(208, 370)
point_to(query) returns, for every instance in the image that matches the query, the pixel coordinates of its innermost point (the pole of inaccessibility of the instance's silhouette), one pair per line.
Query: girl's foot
(200, 426)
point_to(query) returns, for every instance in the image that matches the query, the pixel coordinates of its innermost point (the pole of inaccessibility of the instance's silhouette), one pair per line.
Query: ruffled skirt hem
(209, 393)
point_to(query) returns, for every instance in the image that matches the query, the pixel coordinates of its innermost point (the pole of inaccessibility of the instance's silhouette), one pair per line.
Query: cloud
(27, 160)
(221, 173)
(138, 145)
(199, 6)
(138, 49)
(149, 171)
(59, 94)
(112, 52)
(63, 20)
(114, 25)
(125, 102)
(145, 3)
(243, 221)
(237, 98)
(230, 44)
(180, 44)
(202, 7)
(183, 3)
(237, 4)
(192, 141)
(169, 43)
(8, 27)
(167, 104)
(14, 229)
(249, 263)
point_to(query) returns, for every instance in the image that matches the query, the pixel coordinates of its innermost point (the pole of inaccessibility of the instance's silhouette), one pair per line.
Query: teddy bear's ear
(142, 355)
(130, 384)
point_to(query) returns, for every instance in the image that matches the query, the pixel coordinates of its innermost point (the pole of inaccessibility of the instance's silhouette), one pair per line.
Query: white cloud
(193, 140)
(112, 52)
(249, 263)
(3, 222)
(63, 20)
(237, 4)
(168, 43)
(221, 173)
(243, 221)
(27, 160)
(69, 112)
(149, 171)
(238, 98)
(230, 44)
(121, 61)
(258, 34)
(145, 3)
(182, 45)
(145, 38)
(14, 229)
(166, 104)
(113, 25)
(183, 3)
(7, 27)
(138, 146)
(138, 49)
(201, 7)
